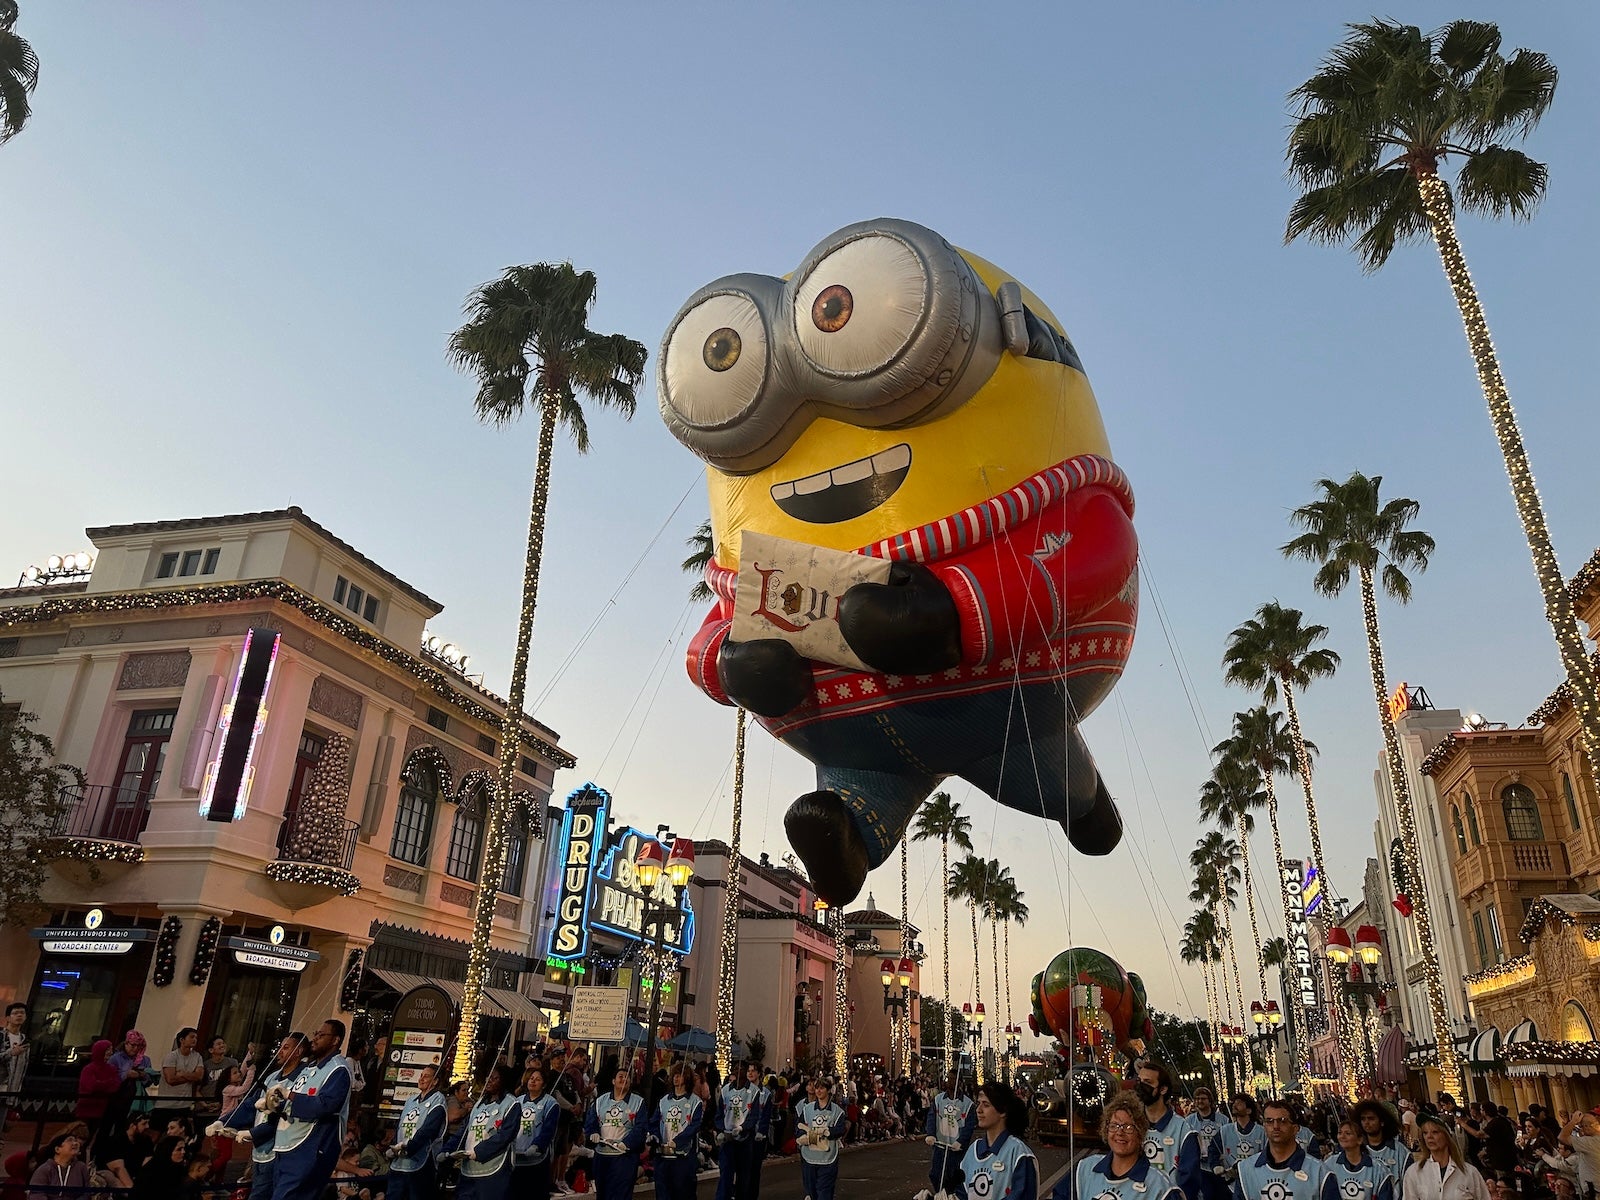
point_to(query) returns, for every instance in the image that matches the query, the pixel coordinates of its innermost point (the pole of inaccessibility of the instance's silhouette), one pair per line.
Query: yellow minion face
(890, 381)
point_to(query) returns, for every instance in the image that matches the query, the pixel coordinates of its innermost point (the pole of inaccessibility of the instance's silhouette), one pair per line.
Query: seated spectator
(166, 1174)
(125, 1149)
(63, 1170)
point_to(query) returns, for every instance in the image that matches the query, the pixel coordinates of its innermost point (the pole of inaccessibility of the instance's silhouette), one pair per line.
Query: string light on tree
(728, 945)
(166, 951)
(205, 951)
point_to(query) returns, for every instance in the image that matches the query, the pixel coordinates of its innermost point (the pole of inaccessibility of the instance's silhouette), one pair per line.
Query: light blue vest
(949, 1117)
(485, 1119)
(821, 1121)
(311, 1078)
(676, 1112)
(1240, 1144)
(736, 1106)
(1369, 1181)
(412, 1116)
(1143, 1182)
(616, 1118)
(988, 1169)
(532, 1119)
(1162, 1143)
(1298, 1179)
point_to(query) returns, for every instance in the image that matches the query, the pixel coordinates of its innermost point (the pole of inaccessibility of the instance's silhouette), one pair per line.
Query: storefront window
(248, 1004)
(413, 822)
(77, 999)
(1522, 814)
(466, 837)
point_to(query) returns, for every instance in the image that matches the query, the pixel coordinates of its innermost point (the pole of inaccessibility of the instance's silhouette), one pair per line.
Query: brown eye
(831, 310)
(722, 349)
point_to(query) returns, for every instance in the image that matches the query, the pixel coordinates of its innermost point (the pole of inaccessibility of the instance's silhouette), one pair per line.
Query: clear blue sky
(234, 222)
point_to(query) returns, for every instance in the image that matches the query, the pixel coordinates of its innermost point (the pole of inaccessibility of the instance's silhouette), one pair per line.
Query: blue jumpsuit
(613, 1127)
(537, 1123)
(1367, 1180)
(819, 1159)
(1200, 1160)
(737, 1122)
(262, 1127)
(676, 1127)
(1006, 1170)
(1093, 1180)
(951, 1124)
(486, 1136)
(310, 1132)
(416, 1136)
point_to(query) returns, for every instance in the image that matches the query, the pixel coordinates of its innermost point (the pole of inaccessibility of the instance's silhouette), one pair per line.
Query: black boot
(824, 835)
(1099, 830)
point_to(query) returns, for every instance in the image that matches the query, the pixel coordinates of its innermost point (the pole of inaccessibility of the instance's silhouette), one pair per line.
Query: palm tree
(704, 549)
(1230, 798)
(969, 880)
(527, 338)
(1011, 907)
(1260, 738)
(1385, 111)
(19, 74)
(1348, 531)
(1197, 946)
(1276, 651)
(1215, 861)
(941, 817)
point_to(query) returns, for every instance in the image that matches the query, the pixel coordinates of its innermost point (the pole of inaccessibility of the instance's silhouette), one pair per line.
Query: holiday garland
(319, 829)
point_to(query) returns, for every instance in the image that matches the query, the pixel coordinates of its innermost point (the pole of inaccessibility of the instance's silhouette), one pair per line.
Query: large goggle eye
(861, 305)
(715, 361)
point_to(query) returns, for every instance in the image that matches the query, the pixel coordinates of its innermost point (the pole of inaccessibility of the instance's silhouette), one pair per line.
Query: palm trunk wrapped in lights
(944, 891)
(495, 839)
(1581, 684)
(977, 982)
(1450, 1079)
(1255, 935)
(728, 950)
(994, 948)
(841, 995)
(904, 1058)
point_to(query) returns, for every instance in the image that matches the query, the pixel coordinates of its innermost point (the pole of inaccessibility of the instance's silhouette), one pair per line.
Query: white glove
(391, 1152)
(243, 1137)
(594, 1139)
(216, 1129)
(457, 1156)
(930, 1139)
(722, 1138)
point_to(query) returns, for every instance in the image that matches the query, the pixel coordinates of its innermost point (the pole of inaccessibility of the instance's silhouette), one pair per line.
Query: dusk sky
(234, 239)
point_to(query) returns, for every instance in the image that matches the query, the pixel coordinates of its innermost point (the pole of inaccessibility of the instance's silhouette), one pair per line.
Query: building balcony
(1510, 862)
(101, 824)
(315, 857)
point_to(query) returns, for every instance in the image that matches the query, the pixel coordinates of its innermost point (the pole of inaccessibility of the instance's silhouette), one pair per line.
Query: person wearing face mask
(820, 1125)
(1164, 1140)
(1282, 1171)
(1123, 1172)
(1352, 1172)
(1243, 1137)
(1200, 1155)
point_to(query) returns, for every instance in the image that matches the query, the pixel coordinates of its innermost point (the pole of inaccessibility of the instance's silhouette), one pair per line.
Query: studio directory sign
(422, 1021)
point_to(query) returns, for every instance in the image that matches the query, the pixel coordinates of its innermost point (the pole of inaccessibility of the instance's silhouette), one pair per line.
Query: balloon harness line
(1070, 719)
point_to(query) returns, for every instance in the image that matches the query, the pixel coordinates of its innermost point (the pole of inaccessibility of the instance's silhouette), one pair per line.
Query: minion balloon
(897, 399)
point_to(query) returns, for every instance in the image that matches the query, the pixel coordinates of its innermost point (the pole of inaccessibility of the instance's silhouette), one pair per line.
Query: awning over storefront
(1524, 1031)
(1485, 1048)
(508, 1003)
(1392, 1056)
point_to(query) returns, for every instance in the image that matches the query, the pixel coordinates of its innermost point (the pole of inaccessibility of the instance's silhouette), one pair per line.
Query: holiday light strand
(484, 902)
(55, 608)
(1421, 908)
(92, 850)
(1558, 602)
(346, 883)
(841, 996)
(728, 946)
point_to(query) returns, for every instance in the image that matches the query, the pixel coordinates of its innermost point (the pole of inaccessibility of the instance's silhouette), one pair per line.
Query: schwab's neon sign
(582, 830)
(620, 899)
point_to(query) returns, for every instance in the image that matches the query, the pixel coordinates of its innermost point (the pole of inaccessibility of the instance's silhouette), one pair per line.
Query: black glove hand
(767, 675)
(907, 626)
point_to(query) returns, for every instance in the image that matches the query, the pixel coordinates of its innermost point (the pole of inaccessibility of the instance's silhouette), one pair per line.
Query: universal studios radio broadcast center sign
(599, 886)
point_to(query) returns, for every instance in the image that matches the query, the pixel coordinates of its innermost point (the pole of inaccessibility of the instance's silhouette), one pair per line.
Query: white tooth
(850, 472)
(782, 491)
(812, 483)
(895, 458)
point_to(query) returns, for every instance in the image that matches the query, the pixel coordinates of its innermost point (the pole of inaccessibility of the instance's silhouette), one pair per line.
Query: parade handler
(312, 1108)
(821, 1125)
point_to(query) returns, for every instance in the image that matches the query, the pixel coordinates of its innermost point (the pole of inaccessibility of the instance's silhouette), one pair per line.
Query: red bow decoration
(1402, 904)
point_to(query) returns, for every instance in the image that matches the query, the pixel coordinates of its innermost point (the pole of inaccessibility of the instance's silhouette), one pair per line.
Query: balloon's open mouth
(846, 491)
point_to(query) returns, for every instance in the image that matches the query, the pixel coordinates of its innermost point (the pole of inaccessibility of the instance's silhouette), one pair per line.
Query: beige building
(351, 864)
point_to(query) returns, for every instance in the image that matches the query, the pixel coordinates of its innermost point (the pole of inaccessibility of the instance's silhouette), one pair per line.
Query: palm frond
(1498, 181)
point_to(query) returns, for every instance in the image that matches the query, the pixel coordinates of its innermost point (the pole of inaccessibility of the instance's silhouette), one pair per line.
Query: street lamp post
(974, 1020)
(1269, 1024)
(1363, 987)
(897, 1003)
(1013, 1047)
(679, 867)
(1233, 1049)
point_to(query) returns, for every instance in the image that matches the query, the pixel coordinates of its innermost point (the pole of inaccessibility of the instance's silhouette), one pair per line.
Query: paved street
(879, 1169)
